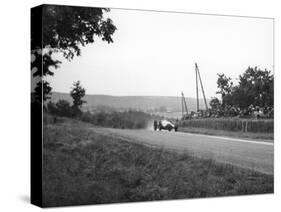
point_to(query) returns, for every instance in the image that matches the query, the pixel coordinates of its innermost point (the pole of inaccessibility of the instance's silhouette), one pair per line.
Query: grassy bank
(83, 167)
(232, 124)
(247, 135)
(105, 117)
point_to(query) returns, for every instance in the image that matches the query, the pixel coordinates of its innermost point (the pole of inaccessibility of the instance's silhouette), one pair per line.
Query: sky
(154, 53)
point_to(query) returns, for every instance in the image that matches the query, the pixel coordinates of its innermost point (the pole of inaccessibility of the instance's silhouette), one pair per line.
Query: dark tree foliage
(65, 30)
(51, 108)
(225, 87)
(64, 108)
(215, 104)
(255, 87)
(61, 108)
(77, 93)
(42, 91)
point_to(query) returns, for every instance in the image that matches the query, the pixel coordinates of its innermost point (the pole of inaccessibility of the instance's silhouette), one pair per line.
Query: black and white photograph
(145, 105)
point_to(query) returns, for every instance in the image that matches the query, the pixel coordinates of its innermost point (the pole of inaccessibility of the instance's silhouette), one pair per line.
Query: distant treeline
(130, 119)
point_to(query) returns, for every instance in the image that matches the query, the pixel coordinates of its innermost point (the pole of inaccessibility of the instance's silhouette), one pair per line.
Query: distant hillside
(136, 102)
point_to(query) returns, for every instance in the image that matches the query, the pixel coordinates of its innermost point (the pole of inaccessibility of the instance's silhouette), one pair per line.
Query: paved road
(251, 154)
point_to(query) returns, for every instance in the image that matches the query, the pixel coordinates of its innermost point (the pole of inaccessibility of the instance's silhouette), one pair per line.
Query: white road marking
(233, 139)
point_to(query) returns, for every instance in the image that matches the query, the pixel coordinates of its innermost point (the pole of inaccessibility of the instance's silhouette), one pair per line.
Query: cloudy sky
(154, 54)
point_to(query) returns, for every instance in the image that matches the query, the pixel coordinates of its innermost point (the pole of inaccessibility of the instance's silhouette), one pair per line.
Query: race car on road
(165, 125)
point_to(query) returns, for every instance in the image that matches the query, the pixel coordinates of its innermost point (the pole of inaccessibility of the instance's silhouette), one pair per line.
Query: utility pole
(184, 106)
(197, 98)
(182, 113)
(197, 71)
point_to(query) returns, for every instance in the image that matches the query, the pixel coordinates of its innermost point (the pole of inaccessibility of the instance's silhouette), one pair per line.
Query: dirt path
(251, 154)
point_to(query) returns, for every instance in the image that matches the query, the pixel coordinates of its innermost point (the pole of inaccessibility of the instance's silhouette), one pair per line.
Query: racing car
(165, 125)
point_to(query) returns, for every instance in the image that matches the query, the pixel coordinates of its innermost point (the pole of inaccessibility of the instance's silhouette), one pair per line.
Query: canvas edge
(36, 123)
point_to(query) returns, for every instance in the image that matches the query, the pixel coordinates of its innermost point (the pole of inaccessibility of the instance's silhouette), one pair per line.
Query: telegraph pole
(184, 105)
(182, 113)
(206, 105)
(197, 98)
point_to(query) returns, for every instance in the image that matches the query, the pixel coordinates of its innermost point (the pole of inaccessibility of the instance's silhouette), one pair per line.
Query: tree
(215, 104)
(240, 97)
(255, 87)
(77, 93)
(65, 30)
(63, 108)
(225, 86)
(51, 108)
(42, 91)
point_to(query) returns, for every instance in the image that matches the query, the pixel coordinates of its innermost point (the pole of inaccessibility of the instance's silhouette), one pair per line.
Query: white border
(15, 103)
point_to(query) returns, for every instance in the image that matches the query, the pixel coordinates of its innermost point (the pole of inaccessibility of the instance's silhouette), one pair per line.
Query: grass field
(83, 167)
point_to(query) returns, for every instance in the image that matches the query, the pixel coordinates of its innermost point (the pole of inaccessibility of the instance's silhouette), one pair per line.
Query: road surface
(256, 155)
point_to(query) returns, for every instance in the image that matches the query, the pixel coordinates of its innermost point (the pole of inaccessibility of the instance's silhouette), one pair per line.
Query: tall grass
(81, 166)
(130, 119)
(124, 120)
(231, 124)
